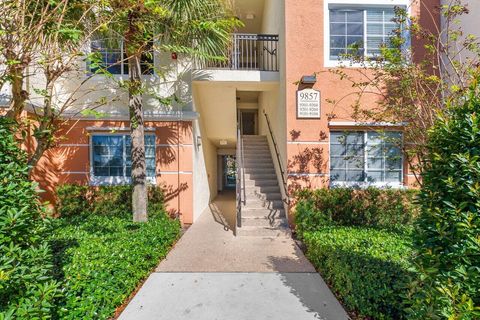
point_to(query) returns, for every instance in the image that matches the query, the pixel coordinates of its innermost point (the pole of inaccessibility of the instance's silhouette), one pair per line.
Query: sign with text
(308, 104)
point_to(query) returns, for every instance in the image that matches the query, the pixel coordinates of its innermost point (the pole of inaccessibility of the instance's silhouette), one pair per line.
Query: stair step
(260, 176)
(263, 231)
(258, 164)
(264, 196)
(261, 204)
(254, 137)
(261, 190)
(264, 222)
(260, 171)
(261, 183)
(263, 213)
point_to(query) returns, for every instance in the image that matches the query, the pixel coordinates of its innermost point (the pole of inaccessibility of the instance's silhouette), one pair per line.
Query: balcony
(249, 52)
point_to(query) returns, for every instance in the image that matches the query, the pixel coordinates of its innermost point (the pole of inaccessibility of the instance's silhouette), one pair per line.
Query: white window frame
(122, 75)
(328, 63)
(112, 180)
(366, 184)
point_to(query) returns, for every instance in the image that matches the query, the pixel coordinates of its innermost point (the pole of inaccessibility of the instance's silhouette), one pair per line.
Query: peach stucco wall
(308, 140)
(69, 161)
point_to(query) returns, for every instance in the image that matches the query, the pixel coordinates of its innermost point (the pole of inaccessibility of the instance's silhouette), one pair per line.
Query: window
(360, 31)
(358, 157)
(113, 57)
(111, 156)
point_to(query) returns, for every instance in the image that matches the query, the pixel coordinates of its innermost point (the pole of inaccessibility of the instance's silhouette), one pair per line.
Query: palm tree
(198, 28)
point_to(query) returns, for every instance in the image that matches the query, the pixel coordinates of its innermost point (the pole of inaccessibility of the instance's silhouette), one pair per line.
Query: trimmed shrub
(75, 200)
(448, 230)
(371, 207)
(366, 268)
(27, 288)
(101, 259)
(100, 254)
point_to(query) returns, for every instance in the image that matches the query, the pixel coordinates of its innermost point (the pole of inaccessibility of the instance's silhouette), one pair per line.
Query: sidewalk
(211, 274)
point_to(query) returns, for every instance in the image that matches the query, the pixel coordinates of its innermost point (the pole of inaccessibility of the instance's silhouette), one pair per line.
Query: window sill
(364, 185)
(116, 181)
(118, 77)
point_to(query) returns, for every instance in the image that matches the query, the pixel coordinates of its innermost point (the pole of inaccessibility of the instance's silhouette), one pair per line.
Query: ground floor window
(358, 157)
(111, 156)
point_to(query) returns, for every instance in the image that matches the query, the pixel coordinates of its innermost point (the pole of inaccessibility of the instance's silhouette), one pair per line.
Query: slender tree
(195, 28)
(41, 43)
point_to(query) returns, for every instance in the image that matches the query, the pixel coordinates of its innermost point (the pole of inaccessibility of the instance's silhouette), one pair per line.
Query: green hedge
(101, 256)
(371, 207)
(27, 288)
(359, 240)
(366, 268)
(75, 199)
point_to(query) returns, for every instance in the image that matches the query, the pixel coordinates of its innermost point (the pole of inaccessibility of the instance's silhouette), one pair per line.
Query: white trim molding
(309, 142)
(365, 124)
(304, 174)
(115, 129)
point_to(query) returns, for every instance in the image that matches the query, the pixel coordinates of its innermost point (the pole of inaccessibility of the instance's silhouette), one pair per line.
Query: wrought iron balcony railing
(248, 52)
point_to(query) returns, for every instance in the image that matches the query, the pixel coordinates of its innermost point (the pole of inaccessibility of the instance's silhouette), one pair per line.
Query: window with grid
(360, 31)
(371, 157)
(111, 155)
(113, 57)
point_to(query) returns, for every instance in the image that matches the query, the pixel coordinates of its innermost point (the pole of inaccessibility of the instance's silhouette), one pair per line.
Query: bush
(27, 288)
(366, 268)
(371, 207)
(101, 259)
(75, 200)
(100, 254)
(448, 230)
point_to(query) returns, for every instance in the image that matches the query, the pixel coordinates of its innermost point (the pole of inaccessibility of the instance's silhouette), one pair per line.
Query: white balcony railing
(248, 52)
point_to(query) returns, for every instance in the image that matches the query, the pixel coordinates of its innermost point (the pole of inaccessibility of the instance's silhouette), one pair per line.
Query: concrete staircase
(263, 213)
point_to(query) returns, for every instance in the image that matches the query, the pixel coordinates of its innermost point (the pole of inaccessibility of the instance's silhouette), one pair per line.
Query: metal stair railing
(240, 185)
(277, 153)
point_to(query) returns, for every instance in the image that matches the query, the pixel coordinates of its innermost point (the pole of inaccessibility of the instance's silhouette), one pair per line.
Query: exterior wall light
(223, 142)
(309, 79)
(199, 141)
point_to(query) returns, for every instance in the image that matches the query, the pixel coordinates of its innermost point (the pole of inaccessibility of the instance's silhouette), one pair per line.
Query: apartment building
(259, 123)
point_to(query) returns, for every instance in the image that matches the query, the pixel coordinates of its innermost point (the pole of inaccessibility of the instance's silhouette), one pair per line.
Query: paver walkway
(211, 274)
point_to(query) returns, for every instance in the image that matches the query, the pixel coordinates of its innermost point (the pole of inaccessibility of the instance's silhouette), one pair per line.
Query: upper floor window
(359, 31)
(113, 57)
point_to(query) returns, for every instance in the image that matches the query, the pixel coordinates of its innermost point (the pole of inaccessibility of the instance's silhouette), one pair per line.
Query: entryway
(248, 122)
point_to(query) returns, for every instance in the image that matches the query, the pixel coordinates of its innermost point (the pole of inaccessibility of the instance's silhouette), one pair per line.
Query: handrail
(277, 153)
(248, 51)
(240, 188)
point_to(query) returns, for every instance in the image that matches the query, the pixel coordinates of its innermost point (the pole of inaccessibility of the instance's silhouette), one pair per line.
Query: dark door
(248, 122)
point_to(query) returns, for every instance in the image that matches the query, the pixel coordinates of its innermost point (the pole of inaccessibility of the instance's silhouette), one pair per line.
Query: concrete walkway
(211, 274)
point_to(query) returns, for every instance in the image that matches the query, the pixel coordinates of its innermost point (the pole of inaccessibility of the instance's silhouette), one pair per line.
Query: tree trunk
(137, 131)
(43, 136)
(19, 95)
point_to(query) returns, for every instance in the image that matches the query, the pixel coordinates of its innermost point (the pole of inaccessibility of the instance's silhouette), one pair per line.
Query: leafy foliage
(448, 231)
(100, 254)
(27, 288)
(367, 268)
(106, 200)
(360, 241)
(372, 207)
